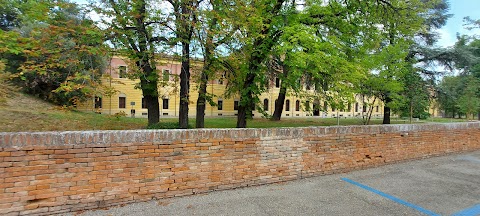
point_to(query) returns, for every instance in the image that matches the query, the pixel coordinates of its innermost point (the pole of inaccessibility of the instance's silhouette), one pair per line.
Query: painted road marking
(473, 211)
(395, 199)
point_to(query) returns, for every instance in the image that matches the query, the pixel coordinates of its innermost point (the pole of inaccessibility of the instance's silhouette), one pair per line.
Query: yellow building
(129, 99)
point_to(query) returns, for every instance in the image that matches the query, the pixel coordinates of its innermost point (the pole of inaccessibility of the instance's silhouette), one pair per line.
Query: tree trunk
(184, 86)
(387, 110)
(247, 102)
(201, 101)
(146, 62)
(150, 91)
(411, 111)
(277, 114)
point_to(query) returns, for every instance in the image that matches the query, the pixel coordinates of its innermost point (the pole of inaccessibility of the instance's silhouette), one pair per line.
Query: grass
(25, 113)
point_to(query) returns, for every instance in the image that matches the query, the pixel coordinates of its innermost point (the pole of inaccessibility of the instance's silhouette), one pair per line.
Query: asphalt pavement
(447, 185)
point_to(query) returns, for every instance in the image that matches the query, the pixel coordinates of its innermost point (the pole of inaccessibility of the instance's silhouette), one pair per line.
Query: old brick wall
(55, 172)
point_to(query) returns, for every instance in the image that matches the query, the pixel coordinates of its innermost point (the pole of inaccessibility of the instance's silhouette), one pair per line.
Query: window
(122, 71)
(235, 105)
(364, 108)
(297, 105)
(166, 75)
(220, 104)
(307, 105)
(165, 103)
(277, 82)
(377, 108)
(122, 101)
(287, 105)
(265, 104)
(333, 109)
(356, 107)
(222, 78)
(98, 102)
(144, 103)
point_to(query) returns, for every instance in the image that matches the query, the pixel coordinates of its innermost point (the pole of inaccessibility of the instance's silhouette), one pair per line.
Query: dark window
(277, 82)
(377, 108)
(297, 105)
(166, 75)
(349, 107)
(364, 108)
(122, 102)
(333, 109)
(122, 71)
(144, 103)
(235, 105)
(220, 105)
(98, 102)
(307, 105)
(287, 105)
(165, 103)
(356, 107)
(265, 104)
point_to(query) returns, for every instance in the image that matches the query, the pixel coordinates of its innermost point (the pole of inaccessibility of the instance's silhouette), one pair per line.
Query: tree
(415, 97)
(185, 18)
(53, 51)
(469, 102)
(131, 27)
(216, 28)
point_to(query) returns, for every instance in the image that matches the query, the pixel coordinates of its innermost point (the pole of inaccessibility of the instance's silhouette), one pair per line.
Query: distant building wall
(170, 90)
(56, 172)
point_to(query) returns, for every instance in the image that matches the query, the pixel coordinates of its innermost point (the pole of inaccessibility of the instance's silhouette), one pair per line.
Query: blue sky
(459, 9)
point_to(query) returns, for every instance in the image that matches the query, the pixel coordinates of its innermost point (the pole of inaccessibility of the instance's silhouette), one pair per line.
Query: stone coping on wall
(169, 136)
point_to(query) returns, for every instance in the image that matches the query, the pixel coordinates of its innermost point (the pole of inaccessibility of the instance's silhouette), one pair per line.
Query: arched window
(287, 105)
(265, 104)
(297, 105)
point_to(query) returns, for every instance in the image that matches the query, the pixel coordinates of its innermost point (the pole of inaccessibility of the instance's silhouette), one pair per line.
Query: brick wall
(55, 172)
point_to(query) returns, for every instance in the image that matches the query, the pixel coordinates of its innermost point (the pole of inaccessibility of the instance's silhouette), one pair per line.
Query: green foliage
(53, 51)
(415, 101)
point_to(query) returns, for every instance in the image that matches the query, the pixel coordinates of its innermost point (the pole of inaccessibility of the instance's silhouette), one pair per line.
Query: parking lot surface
(448, 185)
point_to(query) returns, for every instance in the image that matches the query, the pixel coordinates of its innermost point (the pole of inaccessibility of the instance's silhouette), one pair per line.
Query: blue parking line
(390, 197)
(473, 211)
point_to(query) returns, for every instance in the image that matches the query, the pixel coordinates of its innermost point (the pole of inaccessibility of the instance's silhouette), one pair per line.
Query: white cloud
(446, 39)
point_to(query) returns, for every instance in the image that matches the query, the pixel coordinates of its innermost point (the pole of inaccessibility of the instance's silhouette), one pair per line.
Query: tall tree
(131, 28)
(215, 28)
(261, 33)
(185, 18)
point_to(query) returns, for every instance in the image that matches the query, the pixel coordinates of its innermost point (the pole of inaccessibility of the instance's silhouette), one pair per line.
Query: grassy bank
(25, 113)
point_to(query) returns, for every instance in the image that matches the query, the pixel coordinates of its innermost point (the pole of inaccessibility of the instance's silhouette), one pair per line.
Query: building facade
(129, 99)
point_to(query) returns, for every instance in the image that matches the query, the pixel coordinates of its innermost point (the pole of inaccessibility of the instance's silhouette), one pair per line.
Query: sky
(459, 9)
(448, 34)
